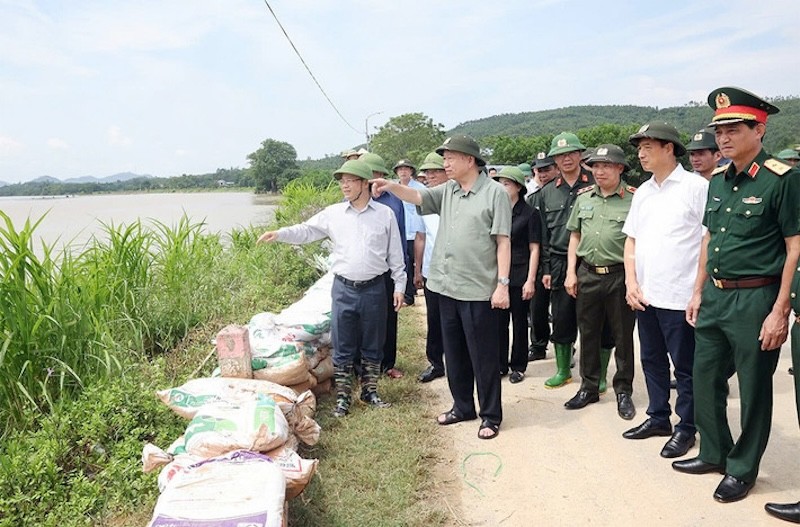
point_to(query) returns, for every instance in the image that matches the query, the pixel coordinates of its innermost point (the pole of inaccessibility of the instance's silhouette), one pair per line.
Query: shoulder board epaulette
(777, 166)
(630, 189)
(585, 189)
(720, 170)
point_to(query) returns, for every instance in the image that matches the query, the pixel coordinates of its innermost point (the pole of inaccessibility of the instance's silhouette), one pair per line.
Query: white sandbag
(287, 366)
(239, 489)
(299, 410)
(219, 428)
(298, 471)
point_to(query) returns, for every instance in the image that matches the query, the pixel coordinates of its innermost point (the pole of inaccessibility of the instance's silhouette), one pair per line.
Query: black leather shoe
(536, 354)
(696, 465)
(516, 377)
(625, 407)
(649, 428)
(732, 489)
(785, 511)
(581, 399)
(430, 374)
(677, 446)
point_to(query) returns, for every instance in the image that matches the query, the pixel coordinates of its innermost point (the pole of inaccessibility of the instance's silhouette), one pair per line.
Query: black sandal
(451, 417)
(486, 425)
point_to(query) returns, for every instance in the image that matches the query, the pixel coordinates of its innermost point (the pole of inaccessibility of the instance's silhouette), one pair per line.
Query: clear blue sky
(169, 87)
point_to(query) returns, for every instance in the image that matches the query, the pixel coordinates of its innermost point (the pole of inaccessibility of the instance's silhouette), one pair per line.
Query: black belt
(745, 283)
(358, 283)
(607, 269)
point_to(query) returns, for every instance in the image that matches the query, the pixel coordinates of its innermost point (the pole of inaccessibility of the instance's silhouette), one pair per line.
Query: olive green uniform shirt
(748, 215)
(599, 220)
(554, 203)
(464, 261)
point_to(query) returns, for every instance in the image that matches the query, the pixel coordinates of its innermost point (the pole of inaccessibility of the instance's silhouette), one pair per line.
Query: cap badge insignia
(602, 151)
(698, 137)
(752, 200)
(540, 155)
(562, 142)
(722, 100)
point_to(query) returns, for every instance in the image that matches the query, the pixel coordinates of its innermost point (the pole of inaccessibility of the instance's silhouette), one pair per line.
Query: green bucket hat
(659, 130)
(375, 163)
(464, 144)
(543, 160)
(703, 140)
(788, 155)
(608, 154)
(525, 168)
(433, 161)
(514, 174)
(404, 163)
(354, 167)
(564, 143)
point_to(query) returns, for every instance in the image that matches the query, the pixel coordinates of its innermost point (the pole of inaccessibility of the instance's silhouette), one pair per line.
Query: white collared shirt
(366, 243)
(666, 223)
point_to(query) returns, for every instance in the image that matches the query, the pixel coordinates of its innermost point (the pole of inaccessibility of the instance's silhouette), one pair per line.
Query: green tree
(273, 165)
(411, 136)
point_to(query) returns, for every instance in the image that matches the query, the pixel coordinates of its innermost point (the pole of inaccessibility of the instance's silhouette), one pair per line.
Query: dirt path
(552, 466)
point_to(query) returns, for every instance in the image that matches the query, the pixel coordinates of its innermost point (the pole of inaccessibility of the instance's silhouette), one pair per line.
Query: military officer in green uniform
(740, 304)
(791, 157)
(791, 511)
(596, 278)
(554, 203)
(703, 153)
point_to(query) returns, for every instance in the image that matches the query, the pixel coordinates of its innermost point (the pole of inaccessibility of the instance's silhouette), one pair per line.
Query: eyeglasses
(348, 181)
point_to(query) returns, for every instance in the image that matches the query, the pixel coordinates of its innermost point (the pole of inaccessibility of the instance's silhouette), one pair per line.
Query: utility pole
(366, 126)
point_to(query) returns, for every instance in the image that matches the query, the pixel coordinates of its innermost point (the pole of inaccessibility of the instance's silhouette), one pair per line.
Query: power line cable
(309, 69)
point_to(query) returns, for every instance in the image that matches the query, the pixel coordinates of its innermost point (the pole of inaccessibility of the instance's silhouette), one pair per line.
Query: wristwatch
(503, 280)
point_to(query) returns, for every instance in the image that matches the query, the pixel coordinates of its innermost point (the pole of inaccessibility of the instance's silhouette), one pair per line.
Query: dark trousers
(411, 290)
(796, 365)
(357, 328)
(517, 313)
(727, 328)
(469, 333)
(565, 325)
(565, 322)
(540, 316)
(665, 334)
(601, 301)
(390, 344)
(434, 348)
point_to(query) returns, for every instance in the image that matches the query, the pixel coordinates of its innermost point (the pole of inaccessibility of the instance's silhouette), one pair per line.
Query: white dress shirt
(366, 243)
(666, 222)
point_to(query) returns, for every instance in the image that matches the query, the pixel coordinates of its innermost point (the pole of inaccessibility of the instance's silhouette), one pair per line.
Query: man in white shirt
(366, 244)
(664, 229)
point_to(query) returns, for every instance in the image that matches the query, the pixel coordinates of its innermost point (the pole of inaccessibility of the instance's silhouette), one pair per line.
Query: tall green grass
(69, 320)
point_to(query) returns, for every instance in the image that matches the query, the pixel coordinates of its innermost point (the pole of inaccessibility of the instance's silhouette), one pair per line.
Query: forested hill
(783, 129)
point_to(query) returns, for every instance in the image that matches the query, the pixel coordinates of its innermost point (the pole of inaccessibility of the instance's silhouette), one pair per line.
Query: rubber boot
(563, 376)
(605, 356)
(370, 372)
(343, 379)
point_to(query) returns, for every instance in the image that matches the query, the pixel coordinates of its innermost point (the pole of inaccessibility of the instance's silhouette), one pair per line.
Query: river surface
(74, 220)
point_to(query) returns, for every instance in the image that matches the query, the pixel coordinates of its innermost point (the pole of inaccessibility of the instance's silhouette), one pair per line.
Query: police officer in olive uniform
(791, 511)
(554, 204)
(740, 304)
(703, 153)
(596, 278)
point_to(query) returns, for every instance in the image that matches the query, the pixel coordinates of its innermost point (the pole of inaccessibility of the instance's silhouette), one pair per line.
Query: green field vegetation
(87, 340)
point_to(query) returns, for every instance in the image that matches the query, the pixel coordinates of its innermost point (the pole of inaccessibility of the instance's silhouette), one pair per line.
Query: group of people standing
(704, 263)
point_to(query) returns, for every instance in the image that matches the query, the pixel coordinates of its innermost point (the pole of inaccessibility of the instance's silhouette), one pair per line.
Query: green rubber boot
(563, 376)
(605, 356)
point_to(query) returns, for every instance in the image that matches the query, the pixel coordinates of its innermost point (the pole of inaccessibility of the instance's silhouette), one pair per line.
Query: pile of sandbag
(237, 461)
(291, 348)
